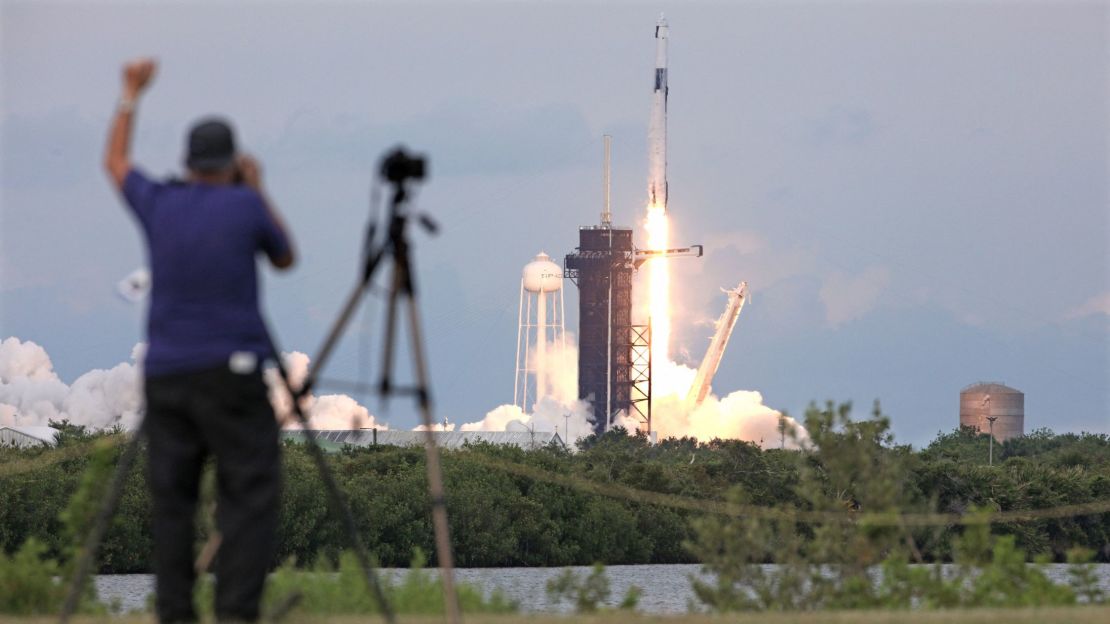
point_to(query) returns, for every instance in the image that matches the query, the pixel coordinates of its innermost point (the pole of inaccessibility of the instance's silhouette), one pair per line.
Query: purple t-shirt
(202, 241)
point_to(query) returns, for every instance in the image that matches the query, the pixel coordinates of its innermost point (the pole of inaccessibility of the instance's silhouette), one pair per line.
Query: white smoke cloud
(740, 415)
(569, 420)
(32, 394)
(24, 359)
(559, 410)
(105, 398)
(436, 427)
(327, 411)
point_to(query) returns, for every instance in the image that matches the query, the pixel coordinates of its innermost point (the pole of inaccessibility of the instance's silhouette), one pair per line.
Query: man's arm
(136, 76)
(251, 172)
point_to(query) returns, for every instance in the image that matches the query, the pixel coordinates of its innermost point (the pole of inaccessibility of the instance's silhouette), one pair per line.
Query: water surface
(666, 588)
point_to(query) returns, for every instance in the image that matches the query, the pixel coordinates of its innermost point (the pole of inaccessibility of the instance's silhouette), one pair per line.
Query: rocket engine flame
(659, 284)
(739, 414)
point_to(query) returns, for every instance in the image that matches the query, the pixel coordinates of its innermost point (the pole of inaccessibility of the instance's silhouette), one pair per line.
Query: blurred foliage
(27, 581)
(850, 467)
(589, 592)
(324, 589)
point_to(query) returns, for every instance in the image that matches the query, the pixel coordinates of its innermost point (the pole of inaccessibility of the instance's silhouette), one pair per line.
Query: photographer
(204, 388)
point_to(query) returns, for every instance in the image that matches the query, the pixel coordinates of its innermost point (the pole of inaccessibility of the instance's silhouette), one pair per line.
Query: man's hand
(250, 171)
(137, 74)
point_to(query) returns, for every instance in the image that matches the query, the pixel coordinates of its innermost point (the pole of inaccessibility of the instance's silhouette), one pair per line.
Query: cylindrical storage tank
(1005, 404)
(542, 275)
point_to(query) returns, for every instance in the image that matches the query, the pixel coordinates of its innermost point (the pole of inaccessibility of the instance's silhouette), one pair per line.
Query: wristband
(125, 105)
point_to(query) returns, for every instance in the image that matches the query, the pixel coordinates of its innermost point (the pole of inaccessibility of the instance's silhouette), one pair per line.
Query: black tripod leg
(336, 332)
(100, 524)
(435, 470)
(335, 495)
(390, 332)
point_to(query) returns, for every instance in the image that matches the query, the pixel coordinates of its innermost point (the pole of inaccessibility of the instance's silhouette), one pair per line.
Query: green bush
(27, 585)
(342, 590)
(588, 593)
(851, 472)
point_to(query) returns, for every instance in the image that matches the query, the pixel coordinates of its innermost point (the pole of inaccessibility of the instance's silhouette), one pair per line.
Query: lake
(666, 588)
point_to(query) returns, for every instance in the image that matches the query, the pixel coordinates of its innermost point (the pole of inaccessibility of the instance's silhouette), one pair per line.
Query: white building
(28, 436)
(527, 440)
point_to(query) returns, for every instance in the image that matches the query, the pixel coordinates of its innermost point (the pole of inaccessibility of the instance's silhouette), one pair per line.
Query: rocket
(657, 130)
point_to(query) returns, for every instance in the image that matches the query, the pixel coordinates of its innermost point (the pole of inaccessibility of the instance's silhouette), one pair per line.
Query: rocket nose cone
(661, 30)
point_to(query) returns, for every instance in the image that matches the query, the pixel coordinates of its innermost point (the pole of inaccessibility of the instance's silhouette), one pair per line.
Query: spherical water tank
(542, 275)
(998, 400)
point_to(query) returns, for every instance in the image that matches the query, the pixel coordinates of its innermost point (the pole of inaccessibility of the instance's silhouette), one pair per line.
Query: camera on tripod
(398, 166)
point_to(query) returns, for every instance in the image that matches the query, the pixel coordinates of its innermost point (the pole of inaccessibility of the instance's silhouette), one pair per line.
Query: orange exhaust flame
(659, 285)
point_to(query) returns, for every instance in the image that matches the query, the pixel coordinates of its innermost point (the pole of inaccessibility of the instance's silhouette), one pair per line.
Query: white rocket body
(657, 130)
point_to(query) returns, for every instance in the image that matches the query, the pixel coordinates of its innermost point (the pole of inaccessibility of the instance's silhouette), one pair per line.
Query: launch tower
(614, 370)
(614, 355)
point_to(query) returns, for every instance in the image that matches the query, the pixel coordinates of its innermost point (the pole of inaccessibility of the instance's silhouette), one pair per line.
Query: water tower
(993, 406)
(540, 325)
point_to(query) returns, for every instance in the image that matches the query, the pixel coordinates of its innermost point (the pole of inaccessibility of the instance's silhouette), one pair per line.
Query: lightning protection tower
(540, 326)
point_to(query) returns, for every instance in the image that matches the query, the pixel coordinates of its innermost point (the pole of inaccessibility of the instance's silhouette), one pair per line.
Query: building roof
(996, 387)
(445, 439)
(46, 435)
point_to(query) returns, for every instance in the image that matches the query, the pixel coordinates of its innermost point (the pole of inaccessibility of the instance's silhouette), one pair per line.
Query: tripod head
(398, 165)
(399, 168)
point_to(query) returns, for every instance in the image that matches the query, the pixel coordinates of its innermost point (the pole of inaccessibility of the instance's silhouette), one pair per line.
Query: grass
(1065, 615)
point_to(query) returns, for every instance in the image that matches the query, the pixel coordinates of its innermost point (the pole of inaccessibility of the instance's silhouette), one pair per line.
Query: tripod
(398, 169)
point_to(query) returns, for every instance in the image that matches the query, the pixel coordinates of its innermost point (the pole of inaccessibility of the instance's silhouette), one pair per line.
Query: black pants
(228, 415)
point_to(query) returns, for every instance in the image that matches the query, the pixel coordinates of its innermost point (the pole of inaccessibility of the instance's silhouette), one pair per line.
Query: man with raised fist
(206, 344)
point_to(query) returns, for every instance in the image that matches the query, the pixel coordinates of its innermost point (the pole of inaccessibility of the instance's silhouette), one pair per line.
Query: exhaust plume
(327, 411)
(32, 394)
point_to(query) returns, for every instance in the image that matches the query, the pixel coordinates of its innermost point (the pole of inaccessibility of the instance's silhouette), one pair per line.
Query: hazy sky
(916, 193)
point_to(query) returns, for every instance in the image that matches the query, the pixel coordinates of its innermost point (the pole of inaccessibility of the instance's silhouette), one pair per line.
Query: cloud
(841, 125)
(848, 298)
(1099, 305)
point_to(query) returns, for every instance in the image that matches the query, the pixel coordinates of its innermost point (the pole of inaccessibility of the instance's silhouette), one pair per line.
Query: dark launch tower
(611, 350)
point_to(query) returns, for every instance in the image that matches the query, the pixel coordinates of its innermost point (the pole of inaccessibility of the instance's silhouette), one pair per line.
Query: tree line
(552, 511)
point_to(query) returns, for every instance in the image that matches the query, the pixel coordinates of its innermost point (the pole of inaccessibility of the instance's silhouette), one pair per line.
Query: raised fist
(137, 74)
